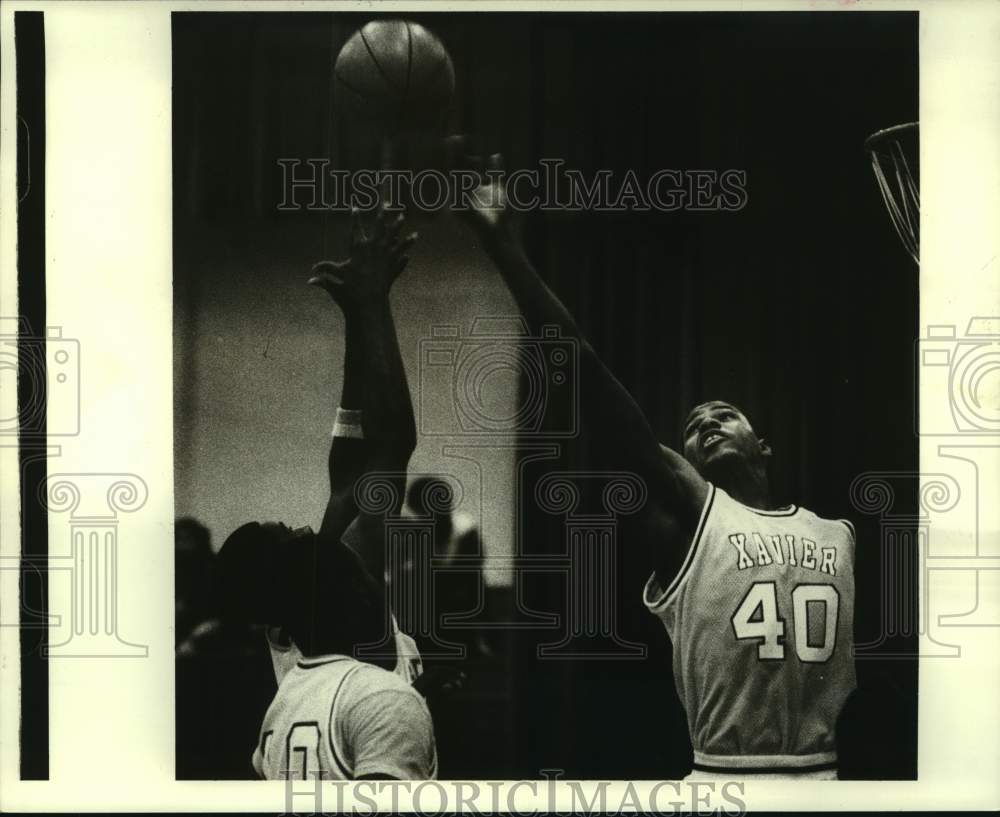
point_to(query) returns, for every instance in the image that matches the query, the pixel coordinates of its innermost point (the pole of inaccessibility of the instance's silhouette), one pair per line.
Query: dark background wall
(801, 307)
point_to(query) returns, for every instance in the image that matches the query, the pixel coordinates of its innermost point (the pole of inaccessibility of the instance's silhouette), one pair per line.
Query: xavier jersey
(285, 654)
(761, 620)
(342, 719)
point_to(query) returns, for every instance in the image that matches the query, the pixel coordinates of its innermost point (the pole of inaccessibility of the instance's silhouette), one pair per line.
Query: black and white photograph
(419, 400)
(618, 293)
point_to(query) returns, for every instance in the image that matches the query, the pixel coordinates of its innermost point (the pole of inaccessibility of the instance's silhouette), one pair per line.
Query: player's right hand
(485, 204)
(378, 256)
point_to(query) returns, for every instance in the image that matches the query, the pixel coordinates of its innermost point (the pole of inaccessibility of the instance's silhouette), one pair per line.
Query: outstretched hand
(485, 205)
(378, 256)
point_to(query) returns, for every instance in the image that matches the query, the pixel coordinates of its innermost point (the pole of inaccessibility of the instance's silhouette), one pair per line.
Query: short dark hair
(319, 591)
(192, 535)
(195, 579)
(691, 413)
(252, 575)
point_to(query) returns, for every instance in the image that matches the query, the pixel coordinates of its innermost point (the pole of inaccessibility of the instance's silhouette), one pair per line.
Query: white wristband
(348, 424)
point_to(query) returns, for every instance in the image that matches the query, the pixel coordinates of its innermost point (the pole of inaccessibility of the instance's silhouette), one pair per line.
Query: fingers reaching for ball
(483, 199)
(378, 256)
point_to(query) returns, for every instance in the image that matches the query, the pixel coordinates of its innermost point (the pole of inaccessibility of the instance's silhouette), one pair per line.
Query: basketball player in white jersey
(758, 601)
(332, 714)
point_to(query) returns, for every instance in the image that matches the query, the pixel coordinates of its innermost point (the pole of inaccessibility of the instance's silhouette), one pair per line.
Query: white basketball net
(896, 181)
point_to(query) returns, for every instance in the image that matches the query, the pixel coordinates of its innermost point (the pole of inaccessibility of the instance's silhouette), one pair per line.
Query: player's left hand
(378, 256)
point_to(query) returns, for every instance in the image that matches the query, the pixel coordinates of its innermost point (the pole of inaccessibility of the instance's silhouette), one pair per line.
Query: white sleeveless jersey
(342, 719)
(285, 654)
(761, 617)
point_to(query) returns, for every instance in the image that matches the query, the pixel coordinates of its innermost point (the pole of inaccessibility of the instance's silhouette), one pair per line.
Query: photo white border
(109, 275)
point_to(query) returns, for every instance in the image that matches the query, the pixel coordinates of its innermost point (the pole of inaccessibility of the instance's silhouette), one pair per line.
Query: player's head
(194, 566)
(720, 441)
(428, 496)
(319, 591)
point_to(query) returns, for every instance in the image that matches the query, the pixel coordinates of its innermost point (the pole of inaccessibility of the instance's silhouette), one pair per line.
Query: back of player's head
(318, 591)
(428, 495)
(191, 536)
(194, 568)
(254, 574)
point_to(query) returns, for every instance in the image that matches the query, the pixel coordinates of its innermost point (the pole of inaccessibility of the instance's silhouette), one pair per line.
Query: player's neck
(749, 487)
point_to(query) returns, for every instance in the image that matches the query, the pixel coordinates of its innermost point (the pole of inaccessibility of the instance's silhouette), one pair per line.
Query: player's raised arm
(375, 381)
(348, 449)
(623, 435)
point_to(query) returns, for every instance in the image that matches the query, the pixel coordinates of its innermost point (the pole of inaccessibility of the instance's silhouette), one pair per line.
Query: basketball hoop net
(895, 157)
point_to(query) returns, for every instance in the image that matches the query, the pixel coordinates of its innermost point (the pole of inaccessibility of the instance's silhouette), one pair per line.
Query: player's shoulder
(344, 677)
(811, 514)
(370, 689)
(368, 679)
(834, 523)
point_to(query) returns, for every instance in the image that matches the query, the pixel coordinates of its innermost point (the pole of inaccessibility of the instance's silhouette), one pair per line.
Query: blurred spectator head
(194, 585)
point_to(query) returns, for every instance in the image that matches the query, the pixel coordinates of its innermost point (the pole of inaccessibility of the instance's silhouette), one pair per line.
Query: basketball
(396, 74)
